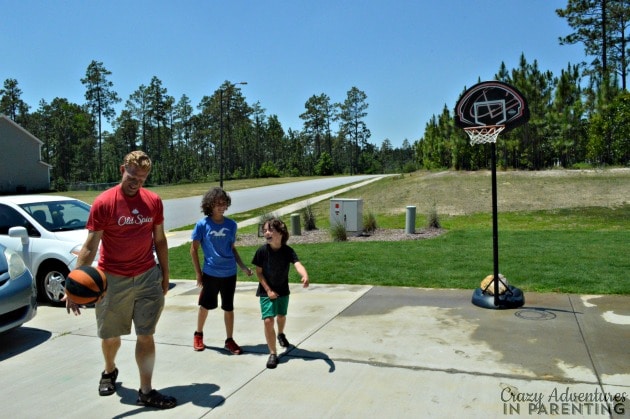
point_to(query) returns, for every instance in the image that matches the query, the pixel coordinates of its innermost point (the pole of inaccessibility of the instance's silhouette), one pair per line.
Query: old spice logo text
(135, 219)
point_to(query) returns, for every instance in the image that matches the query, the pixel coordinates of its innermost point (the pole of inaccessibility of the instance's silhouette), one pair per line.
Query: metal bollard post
(295, 225)
(410, 222)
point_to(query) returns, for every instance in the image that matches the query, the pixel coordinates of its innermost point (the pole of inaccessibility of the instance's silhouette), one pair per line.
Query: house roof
(8, 121)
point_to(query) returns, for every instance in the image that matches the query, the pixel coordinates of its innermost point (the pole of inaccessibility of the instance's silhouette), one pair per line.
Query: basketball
(85, 285)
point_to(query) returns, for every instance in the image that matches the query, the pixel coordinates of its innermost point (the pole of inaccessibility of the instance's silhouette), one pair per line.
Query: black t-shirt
(275, 265)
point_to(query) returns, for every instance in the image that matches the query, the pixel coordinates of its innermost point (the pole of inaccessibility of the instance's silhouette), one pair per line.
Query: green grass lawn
(579, 251)
(559, 231)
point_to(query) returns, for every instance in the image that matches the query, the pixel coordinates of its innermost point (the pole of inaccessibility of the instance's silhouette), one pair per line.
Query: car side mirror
(19, 232)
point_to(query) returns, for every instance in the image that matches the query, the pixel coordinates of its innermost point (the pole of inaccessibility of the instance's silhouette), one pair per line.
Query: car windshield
(59, 215)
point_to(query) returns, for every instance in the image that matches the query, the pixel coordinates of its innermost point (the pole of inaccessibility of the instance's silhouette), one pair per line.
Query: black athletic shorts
(212, 286)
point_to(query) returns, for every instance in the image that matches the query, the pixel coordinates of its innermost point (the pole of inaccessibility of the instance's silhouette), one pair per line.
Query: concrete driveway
(359, 352)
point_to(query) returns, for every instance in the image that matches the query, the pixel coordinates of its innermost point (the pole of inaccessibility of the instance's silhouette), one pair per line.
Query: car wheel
(51, 282)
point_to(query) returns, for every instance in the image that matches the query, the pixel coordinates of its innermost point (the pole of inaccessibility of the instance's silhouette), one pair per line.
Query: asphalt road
(185, 211)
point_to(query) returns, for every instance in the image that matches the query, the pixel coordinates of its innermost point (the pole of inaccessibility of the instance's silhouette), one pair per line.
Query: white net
(484, 134)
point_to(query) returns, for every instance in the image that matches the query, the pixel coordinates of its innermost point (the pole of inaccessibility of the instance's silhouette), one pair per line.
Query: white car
(47, 231)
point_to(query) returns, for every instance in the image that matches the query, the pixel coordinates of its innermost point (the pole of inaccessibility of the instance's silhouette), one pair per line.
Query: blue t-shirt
(216, 242)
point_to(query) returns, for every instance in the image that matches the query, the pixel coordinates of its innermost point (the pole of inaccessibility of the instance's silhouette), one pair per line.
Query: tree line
(224, 137)
(579, 117)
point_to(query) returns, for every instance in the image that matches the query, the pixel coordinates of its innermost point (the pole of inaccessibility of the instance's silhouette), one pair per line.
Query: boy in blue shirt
(216, 234)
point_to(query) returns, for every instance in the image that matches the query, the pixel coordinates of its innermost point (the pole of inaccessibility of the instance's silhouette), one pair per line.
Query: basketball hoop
(484, 111)
(484, 134)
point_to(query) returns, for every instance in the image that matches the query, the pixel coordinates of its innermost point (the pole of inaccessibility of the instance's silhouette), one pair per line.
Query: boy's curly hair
(279, 226)
(212, 198)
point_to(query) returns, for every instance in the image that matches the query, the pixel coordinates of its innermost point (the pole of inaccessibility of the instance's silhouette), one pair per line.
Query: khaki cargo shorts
(138, 299)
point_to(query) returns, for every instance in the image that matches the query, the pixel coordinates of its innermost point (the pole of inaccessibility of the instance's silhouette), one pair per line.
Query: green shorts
(137, 299)
(273, 308)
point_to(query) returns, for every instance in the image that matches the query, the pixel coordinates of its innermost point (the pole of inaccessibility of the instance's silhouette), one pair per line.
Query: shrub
(338, 232)
(309, 218)
(369, 222)
(433, 220)
(60, 185)
(238, 174)
(268, 169)
(324, 166)
(409, 167)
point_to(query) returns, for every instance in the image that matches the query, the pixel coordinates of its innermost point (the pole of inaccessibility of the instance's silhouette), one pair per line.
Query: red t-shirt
(127, 226)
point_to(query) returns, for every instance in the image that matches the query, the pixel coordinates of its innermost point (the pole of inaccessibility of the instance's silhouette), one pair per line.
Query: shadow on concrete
(540, 313)
(199, 394)
(22, 339)
(295, 352)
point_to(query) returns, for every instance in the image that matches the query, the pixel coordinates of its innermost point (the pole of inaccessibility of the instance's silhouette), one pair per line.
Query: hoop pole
(495, 224)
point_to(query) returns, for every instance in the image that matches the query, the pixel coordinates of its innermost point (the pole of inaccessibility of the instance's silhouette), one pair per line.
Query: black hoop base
(513, 298)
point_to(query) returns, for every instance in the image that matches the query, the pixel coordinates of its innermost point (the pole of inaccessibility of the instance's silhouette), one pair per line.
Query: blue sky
(410, 57)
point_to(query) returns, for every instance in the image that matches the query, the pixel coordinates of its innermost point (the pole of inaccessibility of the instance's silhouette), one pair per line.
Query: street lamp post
(221, 163)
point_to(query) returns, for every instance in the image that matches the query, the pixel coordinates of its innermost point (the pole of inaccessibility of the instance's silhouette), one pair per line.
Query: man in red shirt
(128, 223)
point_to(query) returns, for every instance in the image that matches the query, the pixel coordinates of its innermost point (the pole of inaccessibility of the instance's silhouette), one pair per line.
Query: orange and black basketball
(85, 285)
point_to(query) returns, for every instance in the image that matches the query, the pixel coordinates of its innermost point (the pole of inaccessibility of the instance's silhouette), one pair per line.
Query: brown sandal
(107, 385)
(155, 399)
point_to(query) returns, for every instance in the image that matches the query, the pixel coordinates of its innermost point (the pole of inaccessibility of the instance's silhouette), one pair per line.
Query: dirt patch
(323, 236)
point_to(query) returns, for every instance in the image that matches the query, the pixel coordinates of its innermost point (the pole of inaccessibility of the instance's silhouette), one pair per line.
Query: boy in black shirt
(272, 261)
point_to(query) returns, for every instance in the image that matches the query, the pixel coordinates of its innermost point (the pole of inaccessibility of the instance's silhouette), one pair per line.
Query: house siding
(21, 167)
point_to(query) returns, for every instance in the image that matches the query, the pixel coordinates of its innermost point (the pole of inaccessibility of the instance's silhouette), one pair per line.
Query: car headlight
(16, 263)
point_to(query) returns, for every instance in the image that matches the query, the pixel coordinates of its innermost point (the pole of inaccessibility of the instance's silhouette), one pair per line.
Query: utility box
(347, 212)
